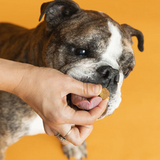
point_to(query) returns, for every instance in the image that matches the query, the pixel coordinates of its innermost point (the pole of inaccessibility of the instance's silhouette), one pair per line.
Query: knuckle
(91, 127)
(78, 142)
(85, 89)
(91, 120)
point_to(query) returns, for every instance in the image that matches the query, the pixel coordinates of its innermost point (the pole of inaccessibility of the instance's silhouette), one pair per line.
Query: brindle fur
(49, 45)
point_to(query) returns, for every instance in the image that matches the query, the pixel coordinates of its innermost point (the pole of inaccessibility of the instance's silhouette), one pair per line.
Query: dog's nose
(108, 76)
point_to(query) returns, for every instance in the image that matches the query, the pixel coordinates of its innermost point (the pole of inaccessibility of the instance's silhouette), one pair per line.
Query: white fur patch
(114, 49)
(36, 126)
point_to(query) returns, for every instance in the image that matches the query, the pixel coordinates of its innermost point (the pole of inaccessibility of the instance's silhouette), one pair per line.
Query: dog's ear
(58, 11)
(134, 32)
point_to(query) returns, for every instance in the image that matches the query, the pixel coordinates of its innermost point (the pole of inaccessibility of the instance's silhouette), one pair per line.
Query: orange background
(132, 132)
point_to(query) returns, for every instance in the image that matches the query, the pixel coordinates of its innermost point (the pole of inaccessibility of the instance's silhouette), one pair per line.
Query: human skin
(45, 90)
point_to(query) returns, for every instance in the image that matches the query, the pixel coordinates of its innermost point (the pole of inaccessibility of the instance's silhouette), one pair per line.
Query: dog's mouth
(80, 103)
(85, 103)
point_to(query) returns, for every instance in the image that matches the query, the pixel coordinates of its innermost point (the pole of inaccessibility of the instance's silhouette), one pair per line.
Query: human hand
(45, 90)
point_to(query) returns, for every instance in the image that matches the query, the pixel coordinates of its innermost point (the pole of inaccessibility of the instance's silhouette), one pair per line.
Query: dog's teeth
(104, 94)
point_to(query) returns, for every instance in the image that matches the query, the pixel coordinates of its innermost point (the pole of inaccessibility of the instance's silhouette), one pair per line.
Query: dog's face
(90, 46)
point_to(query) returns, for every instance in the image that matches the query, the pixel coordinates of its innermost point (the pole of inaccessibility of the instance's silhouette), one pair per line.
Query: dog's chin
(76, 108)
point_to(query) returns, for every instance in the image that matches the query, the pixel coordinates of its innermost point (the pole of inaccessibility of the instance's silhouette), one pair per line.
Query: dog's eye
(127, 71)
(80, 51)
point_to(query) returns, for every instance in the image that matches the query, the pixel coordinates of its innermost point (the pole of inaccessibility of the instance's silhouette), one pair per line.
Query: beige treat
(104, 94)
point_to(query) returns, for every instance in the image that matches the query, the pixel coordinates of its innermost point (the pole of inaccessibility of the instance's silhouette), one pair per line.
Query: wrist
(11, 74)
(25, 83)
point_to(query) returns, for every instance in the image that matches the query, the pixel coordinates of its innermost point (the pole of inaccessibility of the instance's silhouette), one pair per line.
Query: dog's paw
(77, 152)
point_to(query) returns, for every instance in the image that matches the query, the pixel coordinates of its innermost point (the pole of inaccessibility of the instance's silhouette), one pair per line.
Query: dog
(87, 45)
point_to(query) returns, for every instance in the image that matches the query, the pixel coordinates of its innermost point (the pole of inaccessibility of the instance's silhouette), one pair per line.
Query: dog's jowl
(87, 45)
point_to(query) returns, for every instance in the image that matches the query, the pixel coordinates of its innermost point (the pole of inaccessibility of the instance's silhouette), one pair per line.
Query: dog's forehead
(85, 25)
(88, 25)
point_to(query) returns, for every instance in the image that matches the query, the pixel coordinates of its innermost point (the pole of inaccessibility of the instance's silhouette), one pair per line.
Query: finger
(63, 128)
(61, 131)
(83, 89)
(79, 134)
(51, 131)
(63, 142)
(75, 135)
(86, 117)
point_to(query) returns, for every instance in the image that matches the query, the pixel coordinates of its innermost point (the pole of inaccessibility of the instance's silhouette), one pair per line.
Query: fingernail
(97, 89)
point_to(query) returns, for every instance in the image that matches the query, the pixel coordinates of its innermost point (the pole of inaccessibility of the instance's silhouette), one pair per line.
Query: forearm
(11, 74)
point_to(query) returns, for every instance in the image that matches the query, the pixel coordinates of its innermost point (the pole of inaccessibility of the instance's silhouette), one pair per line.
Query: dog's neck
(34, 45)
(30, 43)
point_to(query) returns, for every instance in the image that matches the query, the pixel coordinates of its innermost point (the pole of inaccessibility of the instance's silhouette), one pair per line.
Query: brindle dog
(87, 45)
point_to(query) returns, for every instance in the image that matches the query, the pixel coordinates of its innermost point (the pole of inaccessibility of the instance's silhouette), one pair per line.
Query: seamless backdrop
(132, 132)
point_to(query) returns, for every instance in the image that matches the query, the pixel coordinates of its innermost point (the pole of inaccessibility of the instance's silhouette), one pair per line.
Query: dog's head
(89, 46)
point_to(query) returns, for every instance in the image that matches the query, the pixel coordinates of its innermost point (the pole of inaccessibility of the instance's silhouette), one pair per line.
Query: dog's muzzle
(108, 78)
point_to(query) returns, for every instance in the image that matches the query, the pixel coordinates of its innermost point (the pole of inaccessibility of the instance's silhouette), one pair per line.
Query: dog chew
(105, 93)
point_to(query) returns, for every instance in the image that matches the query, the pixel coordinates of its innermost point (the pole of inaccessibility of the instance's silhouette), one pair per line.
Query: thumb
(84, 89)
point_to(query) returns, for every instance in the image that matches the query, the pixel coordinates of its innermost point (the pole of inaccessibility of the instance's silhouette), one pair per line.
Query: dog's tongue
(84, 103)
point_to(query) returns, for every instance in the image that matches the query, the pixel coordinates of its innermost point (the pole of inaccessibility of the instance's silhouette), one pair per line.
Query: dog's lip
(85, 103)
